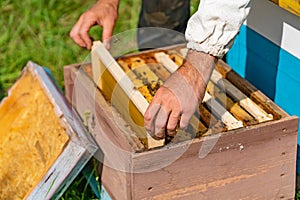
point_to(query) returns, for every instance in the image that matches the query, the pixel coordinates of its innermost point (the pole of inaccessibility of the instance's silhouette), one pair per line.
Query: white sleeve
(213, 27)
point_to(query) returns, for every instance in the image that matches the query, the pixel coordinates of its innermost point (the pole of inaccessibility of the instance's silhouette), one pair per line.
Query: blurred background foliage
(38, 30)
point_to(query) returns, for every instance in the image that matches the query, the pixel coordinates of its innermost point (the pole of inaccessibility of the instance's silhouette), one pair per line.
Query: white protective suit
(213, 27)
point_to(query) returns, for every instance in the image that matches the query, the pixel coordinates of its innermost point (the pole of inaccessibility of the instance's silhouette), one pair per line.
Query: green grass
(38, 30)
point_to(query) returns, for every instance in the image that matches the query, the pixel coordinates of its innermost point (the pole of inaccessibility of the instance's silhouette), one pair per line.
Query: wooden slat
(119, 75)
(248, 89)
(231, 106)
(106, 120)
(209, 119)
(183, 52)
(225, 116)
(198, 126)
(166, 61)
(176, 57)
(159, 70)
(257, 112)
(104, 60)
(213, 124)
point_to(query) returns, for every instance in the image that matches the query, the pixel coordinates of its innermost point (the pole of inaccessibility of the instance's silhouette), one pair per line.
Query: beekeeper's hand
(103, 13)
(180, 95)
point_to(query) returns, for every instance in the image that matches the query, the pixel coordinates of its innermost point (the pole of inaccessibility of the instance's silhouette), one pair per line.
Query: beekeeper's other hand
(103, 13)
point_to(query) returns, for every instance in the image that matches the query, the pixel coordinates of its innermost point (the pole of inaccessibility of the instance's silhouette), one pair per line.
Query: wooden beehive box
(236, 151)
(43, 143)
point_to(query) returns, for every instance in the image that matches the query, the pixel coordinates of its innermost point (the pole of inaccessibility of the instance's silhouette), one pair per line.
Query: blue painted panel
(269, 68)
(288, 94)
(237, 55)
(290, 65)
(288, 84)
(256, 59)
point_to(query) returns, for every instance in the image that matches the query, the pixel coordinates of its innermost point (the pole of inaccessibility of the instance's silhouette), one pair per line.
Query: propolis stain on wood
(31, 137)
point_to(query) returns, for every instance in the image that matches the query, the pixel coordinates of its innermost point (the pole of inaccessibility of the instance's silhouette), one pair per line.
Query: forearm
(197, 70)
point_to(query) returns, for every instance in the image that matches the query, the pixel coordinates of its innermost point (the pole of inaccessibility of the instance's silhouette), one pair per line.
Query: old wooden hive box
(43, 144)
(240, 145)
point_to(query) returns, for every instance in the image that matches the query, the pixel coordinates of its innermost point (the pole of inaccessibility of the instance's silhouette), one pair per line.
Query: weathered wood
(114, 136)
(240, 166)
(103, 119)
(77, 152)
(231, 106)
(225, 116)
(255, 162)
(166, 61)
(210, 120)
(113, 81)
(248, 89)
(257, 112)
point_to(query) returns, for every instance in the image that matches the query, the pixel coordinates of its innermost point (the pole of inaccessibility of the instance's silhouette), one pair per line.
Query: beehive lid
(38, 130)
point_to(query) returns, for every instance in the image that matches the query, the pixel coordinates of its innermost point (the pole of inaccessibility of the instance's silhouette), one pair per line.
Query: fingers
(161, 119)
(149, 117)
(172, 123)
(184, 121)
(103, 13)
(74, 34)
(80, 31)
(84, 33)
